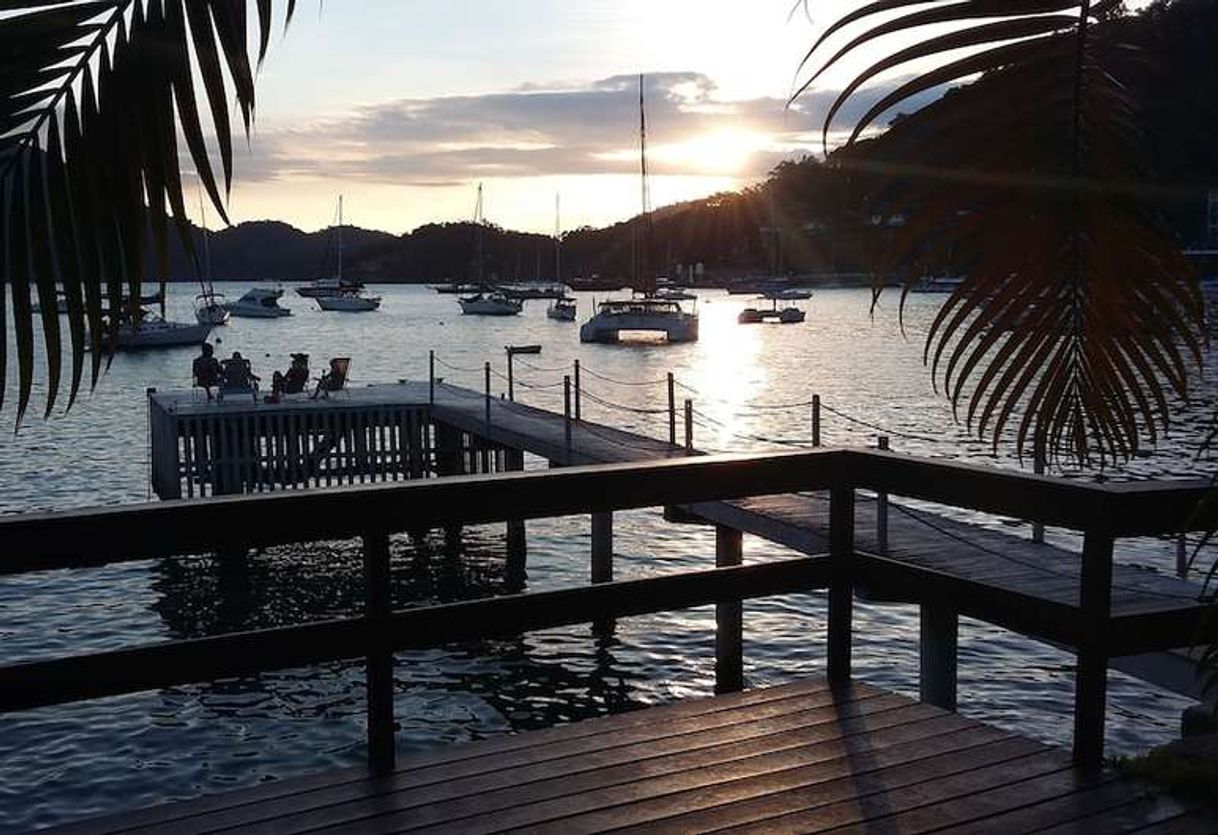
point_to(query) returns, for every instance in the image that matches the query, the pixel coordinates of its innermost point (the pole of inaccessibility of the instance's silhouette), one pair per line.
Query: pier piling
(881, 511)
(378, 606)
(841, 578)
(939, 626)
(517, 540)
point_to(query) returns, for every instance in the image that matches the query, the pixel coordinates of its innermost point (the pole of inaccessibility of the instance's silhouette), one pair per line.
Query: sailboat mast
(478, 234)
(643, 281)
(340, 237)
(557, 238)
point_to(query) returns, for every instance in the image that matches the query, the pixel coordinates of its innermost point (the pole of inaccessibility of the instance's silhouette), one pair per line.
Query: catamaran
(644, 311)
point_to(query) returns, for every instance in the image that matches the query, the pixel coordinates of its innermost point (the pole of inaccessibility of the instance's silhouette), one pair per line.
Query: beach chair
(237, 378)
(335, 380)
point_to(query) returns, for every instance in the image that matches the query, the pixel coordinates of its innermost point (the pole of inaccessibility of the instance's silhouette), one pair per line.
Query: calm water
(64, 763)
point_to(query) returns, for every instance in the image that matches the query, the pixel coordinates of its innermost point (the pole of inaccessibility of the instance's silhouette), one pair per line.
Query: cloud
(549, 130)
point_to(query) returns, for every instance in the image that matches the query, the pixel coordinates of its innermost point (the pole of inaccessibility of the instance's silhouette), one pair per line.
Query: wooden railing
(36, 542)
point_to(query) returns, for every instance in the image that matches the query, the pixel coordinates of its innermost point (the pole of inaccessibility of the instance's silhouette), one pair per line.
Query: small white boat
(937, 284)
(492, 303)
(562, 310)
(211, 309)
(259, 303)
(349, 302)
(791, 295)
(645, 313)
(155, 332)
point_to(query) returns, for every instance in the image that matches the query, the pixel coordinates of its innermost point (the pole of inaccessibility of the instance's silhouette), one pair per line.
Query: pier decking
(804, 757)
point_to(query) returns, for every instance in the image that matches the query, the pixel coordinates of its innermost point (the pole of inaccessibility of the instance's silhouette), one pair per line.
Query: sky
(404, 106)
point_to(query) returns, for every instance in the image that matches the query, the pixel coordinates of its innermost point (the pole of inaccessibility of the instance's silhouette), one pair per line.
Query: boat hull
(348, 304)
(606, 328)
(161, 335)
(250, 311)
(489, 307)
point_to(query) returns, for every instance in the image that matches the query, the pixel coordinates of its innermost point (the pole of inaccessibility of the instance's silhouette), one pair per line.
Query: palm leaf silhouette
(1078, 315)
(93, 95)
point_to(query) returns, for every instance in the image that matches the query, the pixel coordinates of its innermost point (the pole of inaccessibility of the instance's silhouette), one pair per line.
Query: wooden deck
(803, 757)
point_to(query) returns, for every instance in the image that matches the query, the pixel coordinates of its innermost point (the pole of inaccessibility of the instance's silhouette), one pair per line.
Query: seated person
(335, 379)
(238, 375)
(294, 381)
(206, 369)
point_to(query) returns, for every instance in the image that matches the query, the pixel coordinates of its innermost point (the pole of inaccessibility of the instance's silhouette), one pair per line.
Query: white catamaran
(644, 311)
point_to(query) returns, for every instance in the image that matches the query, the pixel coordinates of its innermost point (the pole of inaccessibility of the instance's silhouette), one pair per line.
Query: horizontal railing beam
(98, 536)
(57, 681)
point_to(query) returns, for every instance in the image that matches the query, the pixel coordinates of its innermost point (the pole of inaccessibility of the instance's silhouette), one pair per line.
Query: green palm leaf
(93, 95)
(1078, 315)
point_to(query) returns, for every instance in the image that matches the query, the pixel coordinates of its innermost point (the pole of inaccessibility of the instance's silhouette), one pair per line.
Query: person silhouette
(206, 369)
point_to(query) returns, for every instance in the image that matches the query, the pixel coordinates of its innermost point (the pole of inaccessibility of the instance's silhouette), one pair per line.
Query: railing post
(1091, 678)
(841, 580)
(1038, 467)
(816, 420)
(672, 410)
(486, 374)
(377, 607)
(517, 538)
(689, 425)
(578, 397)
(729, 617)
(431, 377)
(566, 412)
(881, 510)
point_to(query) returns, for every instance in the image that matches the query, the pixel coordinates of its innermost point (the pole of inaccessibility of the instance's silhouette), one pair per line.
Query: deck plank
(803, 757)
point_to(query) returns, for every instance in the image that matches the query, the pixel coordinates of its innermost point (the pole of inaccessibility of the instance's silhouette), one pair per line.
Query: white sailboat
(645, 311)
(348, 297)
(487, 301)
(563, 308)
(210, 306)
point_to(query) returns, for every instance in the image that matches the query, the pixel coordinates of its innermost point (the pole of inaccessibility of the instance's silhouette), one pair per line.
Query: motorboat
(562, 310)
(154, 332)
(325, 287)
(789, 315)
(259, 303)
(526, 290)
(490, 303)
(792, 294)
(937, 284)
(211, 309)
(455, 288)
(642, 313)
(674, 294)
(349, 302)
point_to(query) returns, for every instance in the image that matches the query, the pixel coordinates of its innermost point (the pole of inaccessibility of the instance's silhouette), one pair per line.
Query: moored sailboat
(644, 311)
(337, 293)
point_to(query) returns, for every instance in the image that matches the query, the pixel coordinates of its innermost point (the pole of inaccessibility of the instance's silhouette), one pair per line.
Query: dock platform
(804, 757)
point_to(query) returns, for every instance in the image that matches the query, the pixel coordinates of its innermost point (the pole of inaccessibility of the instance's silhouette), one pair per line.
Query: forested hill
(823, 218)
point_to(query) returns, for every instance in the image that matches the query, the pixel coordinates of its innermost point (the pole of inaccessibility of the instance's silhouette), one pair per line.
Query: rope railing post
(431, 377)
(578, 398)
(881, 511)
(566, 411)
(672, 410)
(1038, 467)
(816, 420)
(486, 372)
(511, 377)
(379, 661)
(689, 425)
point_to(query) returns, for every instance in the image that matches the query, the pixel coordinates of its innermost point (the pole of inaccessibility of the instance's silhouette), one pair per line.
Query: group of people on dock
(236, 374)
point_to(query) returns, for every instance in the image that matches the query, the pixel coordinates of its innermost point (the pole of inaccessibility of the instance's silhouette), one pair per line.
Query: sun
(722, 152)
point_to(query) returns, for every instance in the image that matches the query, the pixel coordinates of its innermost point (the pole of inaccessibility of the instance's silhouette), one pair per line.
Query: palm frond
(93, 94)
(1078, 315)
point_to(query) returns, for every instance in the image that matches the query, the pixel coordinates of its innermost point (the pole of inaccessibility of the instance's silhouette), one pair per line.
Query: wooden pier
(814, 756)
